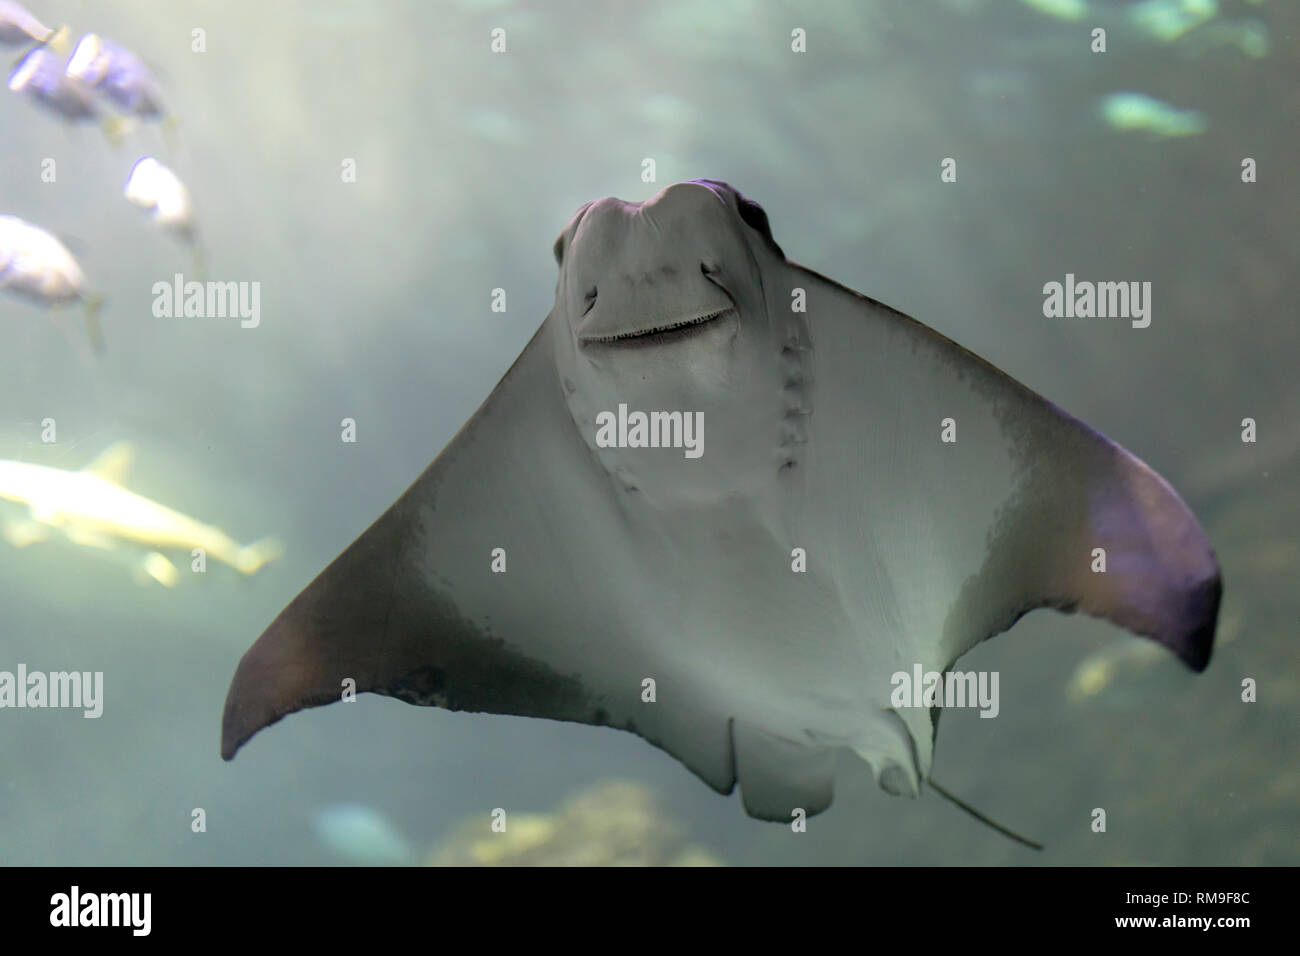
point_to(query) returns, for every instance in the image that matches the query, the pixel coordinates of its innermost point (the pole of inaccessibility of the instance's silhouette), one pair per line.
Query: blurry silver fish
(1099, 670)
(38, 267)
(91, 508)
(1137, 111)
(154, 187)
(18, 27)
(1167, 20)
(116, 73)
(1061, 9)
(40, 75)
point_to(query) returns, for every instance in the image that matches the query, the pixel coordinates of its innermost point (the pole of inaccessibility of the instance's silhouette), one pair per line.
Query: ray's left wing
(496, 583)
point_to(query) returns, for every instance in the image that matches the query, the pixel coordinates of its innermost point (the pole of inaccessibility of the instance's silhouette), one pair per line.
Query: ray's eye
(590, 300)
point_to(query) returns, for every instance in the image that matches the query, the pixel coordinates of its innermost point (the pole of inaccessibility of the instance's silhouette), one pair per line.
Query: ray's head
(667, 305)
(682, 269)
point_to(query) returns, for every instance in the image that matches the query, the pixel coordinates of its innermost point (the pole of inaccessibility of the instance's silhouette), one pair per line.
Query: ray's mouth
(661, 334)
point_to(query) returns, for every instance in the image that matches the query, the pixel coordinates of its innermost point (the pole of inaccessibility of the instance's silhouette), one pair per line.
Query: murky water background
(375, 306)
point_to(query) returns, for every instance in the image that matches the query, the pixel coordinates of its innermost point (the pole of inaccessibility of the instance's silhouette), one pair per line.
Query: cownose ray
(533, 570)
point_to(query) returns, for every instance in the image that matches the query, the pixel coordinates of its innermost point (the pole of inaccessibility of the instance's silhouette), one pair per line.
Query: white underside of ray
(896, 518)
(598, 585)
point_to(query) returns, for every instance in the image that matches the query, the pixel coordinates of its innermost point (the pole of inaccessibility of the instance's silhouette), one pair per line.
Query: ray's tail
(963, 805)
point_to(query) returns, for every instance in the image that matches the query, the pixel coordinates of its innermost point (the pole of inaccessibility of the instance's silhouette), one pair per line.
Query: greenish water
(375, 306)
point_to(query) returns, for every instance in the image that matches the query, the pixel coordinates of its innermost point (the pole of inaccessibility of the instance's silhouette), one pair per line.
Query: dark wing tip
(230, 744)
(241, 718)
(284, 671)
(234, 732)
(1203, 615)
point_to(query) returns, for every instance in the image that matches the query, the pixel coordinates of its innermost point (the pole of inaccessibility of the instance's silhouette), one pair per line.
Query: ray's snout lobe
(654, 268)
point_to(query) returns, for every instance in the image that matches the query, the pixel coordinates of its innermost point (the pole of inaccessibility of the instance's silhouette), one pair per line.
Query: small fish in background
(41, 77)
(36, 266)
(1122, 674)
(1196, 27)
(1070, 10)
(92, 508)
(156, 189)
(1099, 671)
(1137, 111)
(118, 75)
(1250, 37)
(361, 835)
(18, 27)
(1167, 20)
